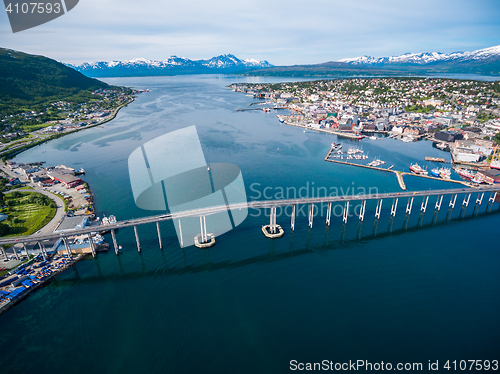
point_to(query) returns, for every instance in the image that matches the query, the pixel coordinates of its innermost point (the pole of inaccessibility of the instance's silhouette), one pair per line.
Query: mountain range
(426, 57)
(483, 61)
(173, 65)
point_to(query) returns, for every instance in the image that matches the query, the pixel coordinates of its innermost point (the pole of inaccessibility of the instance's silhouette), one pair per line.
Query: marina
(415, 171)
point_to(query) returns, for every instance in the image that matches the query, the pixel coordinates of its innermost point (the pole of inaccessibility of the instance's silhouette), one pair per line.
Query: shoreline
(57, 136)
(5, 307)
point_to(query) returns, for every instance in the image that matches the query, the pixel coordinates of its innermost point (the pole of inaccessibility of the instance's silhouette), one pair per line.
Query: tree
(15, 194)
(4, 229)
(497, 137)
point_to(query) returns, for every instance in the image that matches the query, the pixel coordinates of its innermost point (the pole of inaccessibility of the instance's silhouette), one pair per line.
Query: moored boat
(495, 164)
(416, 169)
(435, 172)
(464, 173)
(445, 173)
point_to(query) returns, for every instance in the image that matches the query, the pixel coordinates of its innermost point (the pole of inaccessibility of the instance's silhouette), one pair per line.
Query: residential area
(18, 131)
(460, 116)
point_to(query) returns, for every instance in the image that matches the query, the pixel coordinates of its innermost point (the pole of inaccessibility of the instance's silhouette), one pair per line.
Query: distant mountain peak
(425, 57)
(171, 65)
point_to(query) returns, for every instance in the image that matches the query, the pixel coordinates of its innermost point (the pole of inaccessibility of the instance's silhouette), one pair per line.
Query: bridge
(273, 230)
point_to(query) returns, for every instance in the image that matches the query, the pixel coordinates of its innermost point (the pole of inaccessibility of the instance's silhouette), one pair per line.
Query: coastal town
(44, 199)
(26, 267)
(461, 117)
(26, 129)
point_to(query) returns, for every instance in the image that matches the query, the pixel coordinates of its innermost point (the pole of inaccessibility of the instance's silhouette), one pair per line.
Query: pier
(349, 135)
(262, 109)
(399, 174)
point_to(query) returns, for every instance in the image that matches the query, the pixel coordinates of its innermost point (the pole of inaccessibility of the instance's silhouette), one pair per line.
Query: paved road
(50, 227)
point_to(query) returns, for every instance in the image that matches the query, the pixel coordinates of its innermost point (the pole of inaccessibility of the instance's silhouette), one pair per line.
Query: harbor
(34, 263)
(399, 174)
(296, 123)
(31, 276)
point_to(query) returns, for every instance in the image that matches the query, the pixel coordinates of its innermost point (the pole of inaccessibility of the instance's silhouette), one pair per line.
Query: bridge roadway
(251, 204)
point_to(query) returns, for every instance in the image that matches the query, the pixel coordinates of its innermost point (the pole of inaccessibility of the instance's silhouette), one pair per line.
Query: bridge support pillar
(492, 198)
(453, 200)
(311, 215)
(137, 239)
(25, 249)
(362, 211)
(438, 203)
(270, 230)
(68, 249)
(15, 252)
(201, 240)
(378, 209)
(466, 200)
(423, 207)
(479, 200)
(159, 234)
(346, 212)
(91, 243)
(409, 205)
(42, 248)
(114, 240)
(394, 207)
(329, 214)
(292, 221)
(180, 233)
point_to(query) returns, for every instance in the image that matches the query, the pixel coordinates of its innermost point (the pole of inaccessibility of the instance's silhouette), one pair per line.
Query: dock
(328, 131)
(262, 109)
(436, 159)
(399, 174)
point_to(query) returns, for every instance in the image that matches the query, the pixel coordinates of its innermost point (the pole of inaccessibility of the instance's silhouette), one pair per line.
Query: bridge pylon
(273, 230)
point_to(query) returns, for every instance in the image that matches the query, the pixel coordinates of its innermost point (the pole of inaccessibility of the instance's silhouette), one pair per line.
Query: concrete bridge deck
(252, 204)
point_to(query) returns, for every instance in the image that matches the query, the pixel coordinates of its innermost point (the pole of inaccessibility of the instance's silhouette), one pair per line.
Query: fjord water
(398, 292)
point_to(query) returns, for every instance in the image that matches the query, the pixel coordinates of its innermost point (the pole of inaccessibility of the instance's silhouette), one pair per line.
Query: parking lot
(78, 197)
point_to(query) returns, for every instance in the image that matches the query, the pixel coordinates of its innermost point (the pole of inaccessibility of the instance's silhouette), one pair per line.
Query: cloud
(283, 32)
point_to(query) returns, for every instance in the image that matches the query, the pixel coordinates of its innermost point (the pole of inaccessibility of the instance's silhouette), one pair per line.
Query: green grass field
(27, 212)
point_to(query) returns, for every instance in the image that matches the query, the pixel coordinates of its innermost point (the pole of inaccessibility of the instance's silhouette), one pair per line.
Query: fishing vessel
(445, 173)
(495, 164)
(416, 169)
(464, 173)
(478, 179)
(441, 146)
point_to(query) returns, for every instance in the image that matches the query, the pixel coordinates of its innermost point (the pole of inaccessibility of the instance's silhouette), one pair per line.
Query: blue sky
(284, 32)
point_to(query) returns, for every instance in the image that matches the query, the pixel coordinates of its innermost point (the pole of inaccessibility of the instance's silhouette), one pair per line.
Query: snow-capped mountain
(169, 66)
(426, 57)
(230, 61)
